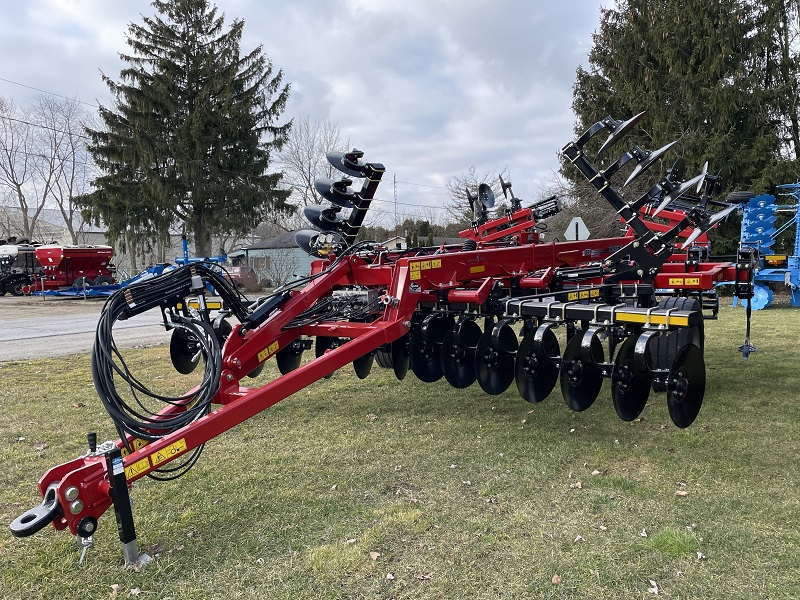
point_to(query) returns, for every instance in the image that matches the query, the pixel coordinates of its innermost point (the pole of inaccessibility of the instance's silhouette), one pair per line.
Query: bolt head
(71, 493)
(76, 507)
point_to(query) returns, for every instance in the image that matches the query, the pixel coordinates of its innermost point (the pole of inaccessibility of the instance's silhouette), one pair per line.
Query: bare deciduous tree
(303, 161)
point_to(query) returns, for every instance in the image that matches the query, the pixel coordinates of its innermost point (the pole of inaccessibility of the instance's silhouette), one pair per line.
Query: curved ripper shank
(497, 309)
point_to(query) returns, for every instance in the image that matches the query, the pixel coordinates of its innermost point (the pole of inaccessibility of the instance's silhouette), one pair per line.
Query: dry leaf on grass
(114, 591)
(653, 589)
(556, 579)
(682, 493)
(374, 555)
(389, 576)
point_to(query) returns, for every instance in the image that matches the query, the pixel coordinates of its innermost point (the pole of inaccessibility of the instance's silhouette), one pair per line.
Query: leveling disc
(686, 385)
(184, 351)
(323, 343)
(630, 383)
(581, 380)
(494, 363)
(290, 357)
(537, 364)
(363, 365)
(400, 357)
(458, 358)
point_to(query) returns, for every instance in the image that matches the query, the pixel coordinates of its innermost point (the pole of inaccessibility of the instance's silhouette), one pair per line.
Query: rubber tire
(17, 290)
(384, 359)
(80, 281)
(664, 348)
(103, 280)
(739, 197)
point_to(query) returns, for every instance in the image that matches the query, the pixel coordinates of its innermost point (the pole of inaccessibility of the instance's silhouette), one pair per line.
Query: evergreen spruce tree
(693, 66)
(191, 134)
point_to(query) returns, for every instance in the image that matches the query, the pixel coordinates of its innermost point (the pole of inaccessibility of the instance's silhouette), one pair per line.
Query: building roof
(284, 240)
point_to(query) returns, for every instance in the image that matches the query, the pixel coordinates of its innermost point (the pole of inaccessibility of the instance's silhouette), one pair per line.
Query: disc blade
(458, 359)
(325, 189)
(486, 195)
(581, 380)
(323, 217)
(289, 358)
(348, 163)
(630, 384)
(400, 357)
(677, 171)
(305, 239)
(619, 131)
(645, 164)
(686, 385)
(363, 365)
(700, 183)
(322, 344)
(426, 361)
(494, 368)
(183, 351)
(675, 194)
(537, 364)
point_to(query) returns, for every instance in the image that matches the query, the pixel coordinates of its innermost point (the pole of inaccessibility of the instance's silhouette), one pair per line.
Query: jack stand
(747, 348)
(122, 510)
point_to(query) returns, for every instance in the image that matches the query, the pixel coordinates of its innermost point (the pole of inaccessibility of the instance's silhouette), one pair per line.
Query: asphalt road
(36, 327)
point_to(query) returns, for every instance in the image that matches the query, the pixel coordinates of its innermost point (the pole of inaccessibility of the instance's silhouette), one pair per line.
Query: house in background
(275, 260)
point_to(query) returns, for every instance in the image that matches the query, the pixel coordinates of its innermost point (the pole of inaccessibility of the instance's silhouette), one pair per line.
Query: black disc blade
(322, 344)
(494, 368)
(288, 358)
(426, 361)
(686, 385)
(183, 351)
(630, 383)
(347, 163)
(400, 357)
(537, 364)
(458, 359)
(363, 365)
(581, 380)
(338, 197)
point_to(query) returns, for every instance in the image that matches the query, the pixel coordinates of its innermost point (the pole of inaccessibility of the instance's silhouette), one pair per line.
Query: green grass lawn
(386, 489)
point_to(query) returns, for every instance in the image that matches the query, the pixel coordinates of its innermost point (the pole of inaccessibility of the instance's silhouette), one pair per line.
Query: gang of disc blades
(183, 351)
(581, 380)
(289, 358)
(630, 384)
(324, 343)
(425, 347)
(686, 385)
(363, 365)
(537, 364)
(494, 368)
(458, 359)
(400, 357)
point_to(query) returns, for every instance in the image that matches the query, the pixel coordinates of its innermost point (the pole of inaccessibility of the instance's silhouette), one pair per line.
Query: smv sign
(577, 230)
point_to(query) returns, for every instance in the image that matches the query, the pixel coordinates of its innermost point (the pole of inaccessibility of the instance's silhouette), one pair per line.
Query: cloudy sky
(427, 87)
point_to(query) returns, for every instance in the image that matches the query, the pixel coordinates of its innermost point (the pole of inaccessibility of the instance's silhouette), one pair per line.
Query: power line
(30, 87)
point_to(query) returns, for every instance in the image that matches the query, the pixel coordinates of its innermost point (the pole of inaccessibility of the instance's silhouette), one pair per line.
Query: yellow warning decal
(583, 295)
(140, 466)
(268, 351)
(478, 269)
(136, 444)
(169, 452)
(676, 280)
(692, 281)
(415, 275)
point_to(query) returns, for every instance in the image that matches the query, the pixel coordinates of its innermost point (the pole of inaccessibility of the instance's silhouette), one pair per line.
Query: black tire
(2, 290)
(82, 281)
(384, 358)
(103, 280)
(739, 197)
(17, 290)
(665, 347)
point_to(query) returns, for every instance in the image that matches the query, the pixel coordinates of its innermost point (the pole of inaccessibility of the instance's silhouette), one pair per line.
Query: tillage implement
(502, 308)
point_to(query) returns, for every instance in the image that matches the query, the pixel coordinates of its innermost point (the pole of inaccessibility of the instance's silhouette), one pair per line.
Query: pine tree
(191, 134)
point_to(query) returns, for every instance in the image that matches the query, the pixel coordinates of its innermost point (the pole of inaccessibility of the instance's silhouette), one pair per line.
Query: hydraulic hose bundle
(131, 411)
